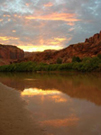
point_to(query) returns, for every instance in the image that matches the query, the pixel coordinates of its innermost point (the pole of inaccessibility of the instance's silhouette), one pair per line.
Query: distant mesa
(90, 48)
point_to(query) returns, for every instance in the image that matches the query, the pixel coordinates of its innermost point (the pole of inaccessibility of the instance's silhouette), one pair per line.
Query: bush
(59, 61)
(76, 59)
(99, 56)
(86, 59)
(65, 66)
(87, 64)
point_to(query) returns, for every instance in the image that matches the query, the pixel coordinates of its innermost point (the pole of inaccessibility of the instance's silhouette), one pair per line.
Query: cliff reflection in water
(80, 86)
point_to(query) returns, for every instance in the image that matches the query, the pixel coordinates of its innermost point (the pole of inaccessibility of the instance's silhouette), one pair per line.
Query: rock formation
(9, 53)
(90, 48)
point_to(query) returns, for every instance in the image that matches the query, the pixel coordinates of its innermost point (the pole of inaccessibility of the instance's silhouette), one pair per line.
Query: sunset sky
(37, 25)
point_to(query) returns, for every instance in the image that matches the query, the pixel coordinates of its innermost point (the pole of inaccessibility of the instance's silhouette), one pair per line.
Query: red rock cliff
(90, 48)
(9, 53)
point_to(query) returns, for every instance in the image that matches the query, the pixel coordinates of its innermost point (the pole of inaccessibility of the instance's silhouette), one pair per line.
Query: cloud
(48, 4)
(39, 92)
(72, 121)
(50, 23)
(15, 6)
(55, 17)
(8, 38)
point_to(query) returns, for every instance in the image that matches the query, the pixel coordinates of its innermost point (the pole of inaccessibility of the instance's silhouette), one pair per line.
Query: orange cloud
(35, 91)
(53, 94)
(61, 122)
(6, 16)
(1, 20)
(58, 98)
(17, 16)
(48, 4)
(54, 43)
(27, 4)
(68, 17)
(8, 20)
(7, 38)
(14, 31)
(60, 39)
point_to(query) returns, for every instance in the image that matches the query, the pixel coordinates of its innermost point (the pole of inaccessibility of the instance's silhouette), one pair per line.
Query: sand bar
(14, 117)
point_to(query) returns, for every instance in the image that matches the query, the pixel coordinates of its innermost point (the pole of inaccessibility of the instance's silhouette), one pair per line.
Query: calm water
(63, 104)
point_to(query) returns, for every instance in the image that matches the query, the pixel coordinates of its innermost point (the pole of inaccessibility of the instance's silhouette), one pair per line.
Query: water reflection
(82, 86)
(36, 91)
(62, 104)
(54, 95)
(58, 123)
(60, 114)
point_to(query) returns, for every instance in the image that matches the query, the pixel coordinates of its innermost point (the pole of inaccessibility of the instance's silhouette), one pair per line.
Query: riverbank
(86, 64)
(14, 118)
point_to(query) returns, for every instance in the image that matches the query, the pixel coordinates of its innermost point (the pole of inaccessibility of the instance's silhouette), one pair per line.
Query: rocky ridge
(90, 48)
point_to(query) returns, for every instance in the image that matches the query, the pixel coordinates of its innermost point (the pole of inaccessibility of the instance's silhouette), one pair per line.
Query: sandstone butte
(9, 54)
(90, 48)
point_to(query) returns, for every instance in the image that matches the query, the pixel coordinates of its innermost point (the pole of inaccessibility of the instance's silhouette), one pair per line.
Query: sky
(37, 25)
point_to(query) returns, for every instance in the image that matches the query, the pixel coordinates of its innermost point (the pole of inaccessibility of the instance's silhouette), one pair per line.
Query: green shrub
(99, 56)
(76, 59)
(87, 64)
(65, 66)
(59, 61)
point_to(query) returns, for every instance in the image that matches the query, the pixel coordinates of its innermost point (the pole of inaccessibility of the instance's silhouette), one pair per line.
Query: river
(61, 103)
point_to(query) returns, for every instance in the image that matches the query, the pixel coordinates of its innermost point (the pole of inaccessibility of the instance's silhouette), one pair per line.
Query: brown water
(63, 104)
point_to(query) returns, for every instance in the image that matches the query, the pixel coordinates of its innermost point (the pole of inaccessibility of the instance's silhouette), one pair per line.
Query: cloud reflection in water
(52, 94)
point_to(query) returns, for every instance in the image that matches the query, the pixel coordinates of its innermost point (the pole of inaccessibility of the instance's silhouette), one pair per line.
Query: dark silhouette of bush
(76, 59)
(59, 61)
(99, 56)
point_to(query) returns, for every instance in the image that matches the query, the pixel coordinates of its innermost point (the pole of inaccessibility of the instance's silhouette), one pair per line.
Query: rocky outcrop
(9, 53)
(90, 48)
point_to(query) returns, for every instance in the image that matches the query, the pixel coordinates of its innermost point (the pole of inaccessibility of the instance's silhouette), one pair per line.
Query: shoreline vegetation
(86, 64)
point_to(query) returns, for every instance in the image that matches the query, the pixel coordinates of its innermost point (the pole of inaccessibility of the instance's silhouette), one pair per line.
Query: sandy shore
(14, 118)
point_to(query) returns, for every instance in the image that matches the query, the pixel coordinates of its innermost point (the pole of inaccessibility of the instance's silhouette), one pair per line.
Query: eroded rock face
(90, 48)
(9, 54)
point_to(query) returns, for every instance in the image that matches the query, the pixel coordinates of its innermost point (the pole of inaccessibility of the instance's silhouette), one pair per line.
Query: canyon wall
(9, 53)
(90, 48)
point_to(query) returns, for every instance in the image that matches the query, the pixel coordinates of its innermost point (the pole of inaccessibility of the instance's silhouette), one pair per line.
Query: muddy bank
(14, 118)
